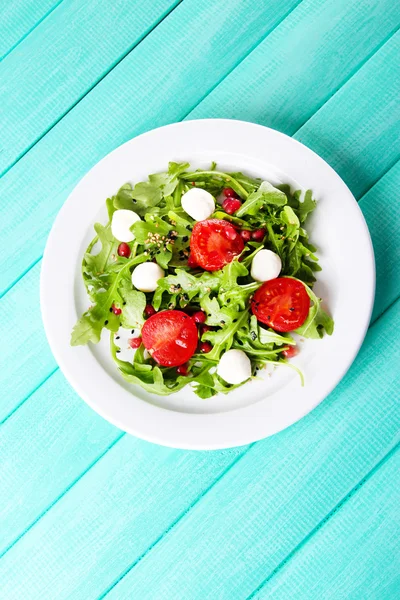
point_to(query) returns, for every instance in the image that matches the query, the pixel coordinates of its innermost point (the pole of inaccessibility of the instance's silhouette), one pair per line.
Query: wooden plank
(287, 483)
(336, 140)
(19, 18)
(283, 488)
(24, 346)
(381, 210)
(63, 59)
(64, 155)
(356, 554)
(50, 416)
(29, 343)
(149, 487)
(24, 293)
(44, 447)
(69, 60)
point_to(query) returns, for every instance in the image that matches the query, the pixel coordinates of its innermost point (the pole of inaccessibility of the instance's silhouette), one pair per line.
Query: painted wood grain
(282, 489)
(19, 18)
(91, 520)
(268, 501)
(149, 488)
(56, 490)
(334, 140)
(64, 155)
(303, 62)
(39, 492)
(356, 554)
(381, 208)
(62, 60)
(53, 439)
(24, 346)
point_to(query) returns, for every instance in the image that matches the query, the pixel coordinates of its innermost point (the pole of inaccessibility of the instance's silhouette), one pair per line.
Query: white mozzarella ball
(146, 275)
(198, 204)
(234, 366)
(121, 223)
(266, 265)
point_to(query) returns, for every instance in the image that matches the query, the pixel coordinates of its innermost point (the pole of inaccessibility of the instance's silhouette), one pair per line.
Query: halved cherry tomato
(281, 303)
(214, 244)
(171, 337)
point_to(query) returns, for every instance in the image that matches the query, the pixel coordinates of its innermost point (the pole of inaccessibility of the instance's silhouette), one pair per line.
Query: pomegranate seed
(116, 311)
(191, 262)
(135, 342)
(231, 205)
(205, 347)
(124, 250)
(182, 369)
(230, 233)
(229, 193)
(205, 328)
(199, 317)
(149, 310)
(193, 183)
(245, 234)
(290, 352)
(258, 235)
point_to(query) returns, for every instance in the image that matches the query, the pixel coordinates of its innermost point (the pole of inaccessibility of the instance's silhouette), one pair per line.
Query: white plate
(259, 408)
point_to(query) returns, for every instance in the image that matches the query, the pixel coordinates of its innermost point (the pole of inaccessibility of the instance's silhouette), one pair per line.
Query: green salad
(211, 273)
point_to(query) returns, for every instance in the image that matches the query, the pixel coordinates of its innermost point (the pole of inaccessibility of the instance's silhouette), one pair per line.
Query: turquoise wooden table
(89, 512)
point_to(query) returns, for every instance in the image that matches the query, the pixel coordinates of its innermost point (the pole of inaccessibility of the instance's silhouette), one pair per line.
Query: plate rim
(196, 420)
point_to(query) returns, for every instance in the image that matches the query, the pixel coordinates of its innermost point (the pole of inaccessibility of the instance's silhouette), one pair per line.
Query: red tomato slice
(171, 337)
(281, 303)
(215, 243)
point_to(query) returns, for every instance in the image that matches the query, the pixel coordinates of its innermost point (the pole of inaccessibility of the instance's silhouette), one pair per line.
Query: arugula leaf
(94, 266)
(266, 194)
(100, 314)
(125, 198)
(222, 339)
(318, 321)
(133, 309)
(183, 283)
(307, 206)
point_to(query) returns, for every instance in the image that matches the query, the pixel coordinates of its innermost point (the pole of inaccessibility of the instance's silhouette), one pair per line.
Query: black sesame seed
(291, 309)
(228, 300)
(253, 335)
(132, 331)
(185, 239)
(222, 322)
(106, 322)
(185, 297)
(234, 320)
(188, 228)
(111, 309)
(117, 337)
(124, 303)
(118, 351)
